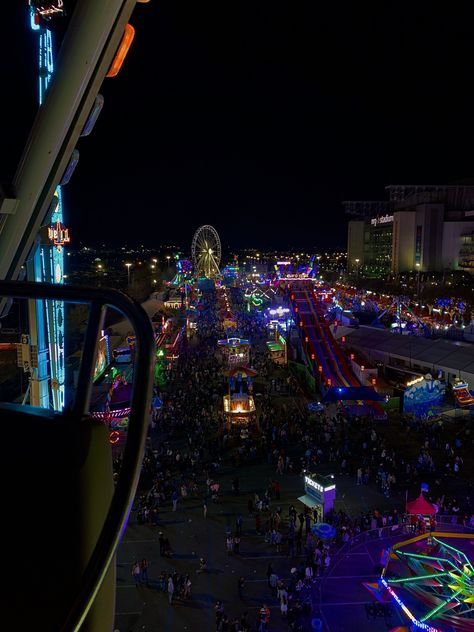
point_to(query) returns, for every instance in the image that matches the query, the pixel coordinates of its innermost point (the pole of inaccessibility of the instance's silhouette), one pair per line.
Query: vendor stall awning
(355, 393)
(309, 501)
(421, 506)
(275, 346)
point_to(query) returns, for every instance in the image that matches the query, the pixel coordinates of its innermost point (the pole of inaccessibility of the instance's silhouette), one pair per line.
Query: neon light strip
(413, 619)
(460, 553)
(52, 258)
(438, 559)
(441, 605)
(415, 579)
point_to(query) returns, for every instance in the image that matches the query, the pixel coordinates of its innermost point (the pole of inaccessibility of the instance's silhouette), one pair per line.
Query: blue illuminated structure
(49, 265)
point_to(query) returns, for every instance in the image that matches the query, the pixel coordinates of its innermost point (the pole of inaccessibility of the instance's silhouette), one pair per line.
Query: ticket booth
(319, 494)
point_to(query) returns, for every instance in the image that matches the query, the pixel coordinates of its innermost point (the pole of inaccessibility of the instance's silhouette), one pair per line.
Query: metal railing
(383, 533)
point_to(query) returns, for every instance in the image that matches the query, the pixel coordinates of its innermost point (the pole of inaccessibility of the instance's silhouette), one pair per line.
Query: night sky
(259, 118)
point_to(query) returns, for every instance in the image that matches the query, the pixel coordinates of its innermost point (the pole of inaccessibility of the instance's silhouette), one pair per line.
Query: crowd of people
(190, 444)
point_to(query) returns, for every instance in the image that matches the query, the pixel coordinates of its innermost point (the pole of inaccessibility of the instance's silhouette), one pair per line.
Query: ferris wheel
(206, 252)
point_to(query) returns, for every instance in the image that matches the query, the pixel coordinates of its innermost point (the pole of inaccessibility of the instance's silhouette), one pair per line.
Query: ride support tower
(47, 387)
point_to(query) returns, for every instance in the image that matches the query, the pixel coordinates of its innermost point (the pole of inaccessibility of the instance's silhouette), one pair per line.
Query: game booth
(235, 351)
(239, 404)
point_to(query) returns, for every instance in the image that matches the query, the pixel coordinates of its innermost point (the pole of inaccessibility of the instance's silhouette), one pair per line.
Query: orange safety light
(313, 357)
(114, 437)
(297, 309)
(374, 381)
(343, 339)
(329, 381)
(306, 338)
(352, 356)
(292, 297)
(320, 368)
(362, 367)
(122, 51)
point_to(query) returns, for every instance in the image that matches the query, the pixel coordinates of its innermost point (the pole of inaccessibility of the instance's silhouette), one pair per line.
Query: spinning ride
(431, 578)
(206, 252)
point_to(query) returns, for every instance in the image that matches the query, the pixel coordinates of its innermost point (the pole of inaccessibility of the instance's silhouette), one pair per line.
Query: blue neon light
(416, 622)
(52, 258)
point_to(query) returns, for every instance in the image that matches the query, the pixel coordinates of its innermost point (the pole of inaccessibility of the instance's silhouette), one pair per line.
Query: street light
(128, 265)
(357, 268)
(418, 279)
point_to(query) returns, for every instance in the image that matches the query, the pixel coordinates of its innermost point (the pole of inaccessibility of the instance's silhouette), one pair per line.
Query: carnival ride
(462, 394)
(32, 233)
(431, 578)
(184, 272)
(206, 252)
(288, 270)
(226, 316)
(48, 260)
(258, 294)
(278, 318)
(236, 351)
(324, 356)
(406, 320)
(68, 455)
(423, 396)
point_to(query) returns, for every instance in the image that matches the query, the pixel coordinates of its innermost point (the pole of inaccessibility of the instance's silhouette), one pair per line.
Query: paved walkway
(192, 536)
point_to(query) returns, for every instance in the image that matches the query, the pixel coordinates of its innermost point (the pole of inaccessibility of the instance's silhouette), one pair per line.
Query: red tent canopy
(421, 506)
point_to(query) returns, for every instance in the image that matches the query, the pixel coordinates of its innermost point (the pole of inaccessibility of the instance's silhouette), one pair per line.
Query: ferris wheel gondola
(206, 252)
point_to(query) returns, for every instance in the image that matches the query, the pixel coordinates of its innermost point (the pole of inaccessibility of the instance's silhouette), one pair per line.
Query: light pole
(357, 269)
(128, 266)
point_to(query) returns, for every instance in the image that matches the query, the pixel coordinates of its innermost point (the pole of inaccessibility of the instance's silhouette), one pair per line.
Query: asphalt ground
(192, 536)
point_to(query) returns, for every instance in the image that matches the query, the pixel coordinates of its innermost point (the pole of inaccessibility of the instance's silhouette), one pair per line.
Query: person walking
(187, 587)
(161, 540)
(237, 545)
(219, 610)
(204, 507)
(269, 572)
(239, 523)
(170, 589)
(174, 499)
(244, 622)
(273, 582)
(240, 587)
(144, 571)
(136, 573)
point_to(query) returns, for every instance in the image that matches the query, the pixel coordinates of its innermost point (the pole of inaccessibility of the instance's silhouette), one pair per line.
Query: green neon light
(415, 579)
(438, 559)
(461, 553)
(424, 557)
(440, 606)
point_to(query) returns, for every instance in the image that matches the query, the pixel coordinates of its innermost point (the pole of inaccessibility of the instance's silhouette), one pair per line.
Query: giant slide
(321, 347)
